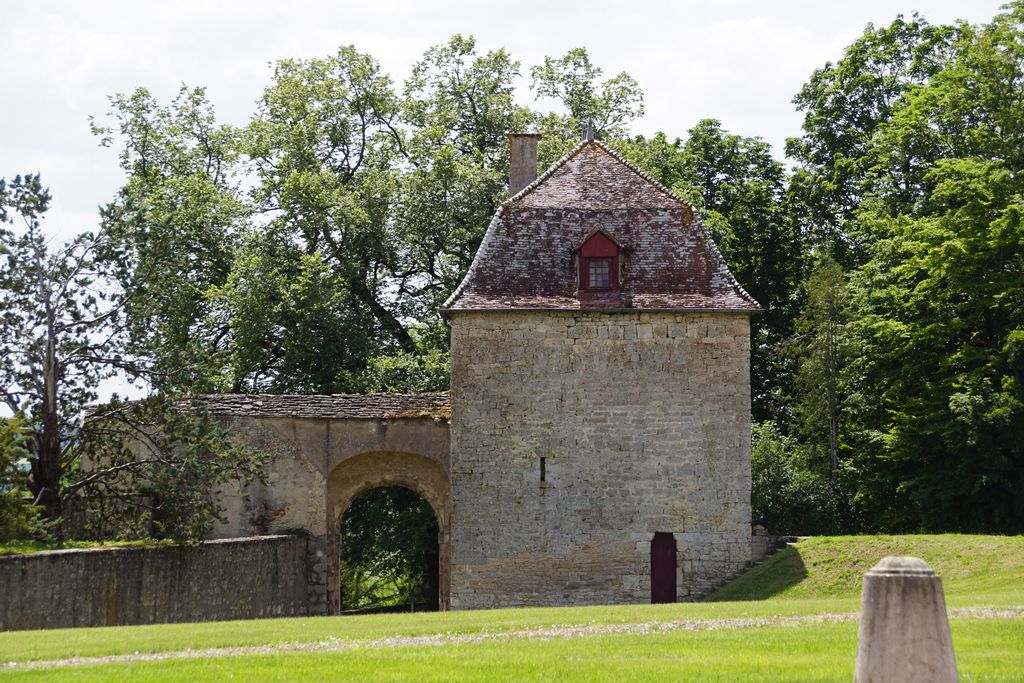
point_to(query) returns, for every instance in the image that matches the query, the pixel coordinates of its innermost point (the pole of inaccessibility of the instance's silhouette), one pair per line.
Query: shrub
(786, 498)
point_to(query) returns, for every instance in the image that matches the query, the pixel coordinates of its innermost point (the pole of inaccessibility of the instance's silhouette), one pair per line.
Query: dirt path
(564, 631)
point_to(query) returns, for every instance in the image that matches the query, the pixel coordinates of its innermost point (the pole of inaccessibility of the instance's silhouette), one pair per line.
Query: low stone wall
(761, 546)
(244, 578)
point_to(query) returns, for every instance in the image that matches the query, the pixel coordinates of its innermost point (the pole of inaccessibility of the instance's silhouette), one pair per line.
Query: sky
(737, 61)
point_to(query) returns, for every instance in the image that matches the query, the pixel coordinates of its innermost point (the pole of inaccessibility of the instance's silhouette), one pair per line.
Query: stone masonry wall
(643, 420)
(306, 453)
(318, 466)
(229, 579)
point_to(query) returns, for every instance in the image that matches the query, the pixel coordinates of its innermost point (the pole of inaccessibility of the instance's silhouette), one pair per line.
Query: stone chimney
(522, 160)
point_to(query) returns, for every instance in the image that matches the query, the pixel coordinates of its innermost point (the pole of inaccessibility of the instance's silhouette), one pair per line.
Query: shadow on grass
(782, 570)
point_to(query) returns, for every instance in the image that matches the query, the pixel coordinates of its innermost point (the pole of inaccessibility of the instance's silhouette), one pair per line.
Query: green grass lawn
(975, 570)
(820, 576)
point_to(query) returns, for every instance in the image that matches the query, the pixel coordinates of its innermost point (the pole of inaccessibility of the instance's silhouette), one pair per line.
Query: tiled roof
(526, 259)
(435, 405)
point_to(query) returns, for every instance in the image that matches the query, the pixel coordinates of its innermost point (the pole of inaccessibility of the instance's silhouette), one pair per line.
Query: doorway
(389, 552)
(663, 568)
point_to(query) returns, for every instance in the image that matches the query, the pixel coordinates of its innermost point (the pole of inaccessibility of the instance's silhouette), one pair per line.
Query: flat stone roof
(435, 405)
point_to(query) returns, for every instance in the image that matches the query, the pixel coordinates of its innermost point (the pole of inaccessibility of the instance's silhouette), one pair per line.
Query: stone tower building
(596, 444)
(600, 395)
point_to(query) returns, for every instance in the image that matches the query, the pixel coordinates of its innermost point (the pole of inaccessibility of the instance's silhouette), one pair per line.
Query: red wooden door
(663, 568)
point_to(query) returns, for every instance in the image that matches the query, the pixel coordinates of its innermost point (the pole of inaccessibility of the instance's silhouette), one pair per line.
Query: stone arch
(418, 473)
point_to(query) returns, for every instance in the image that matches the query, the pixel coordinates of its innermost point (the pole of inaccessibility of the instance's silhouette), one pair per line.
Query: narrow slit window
(543, 469)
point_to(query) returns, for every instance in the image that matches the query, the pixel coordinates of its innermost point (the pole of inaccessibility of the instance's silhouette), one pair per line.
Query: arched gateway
(325, 451)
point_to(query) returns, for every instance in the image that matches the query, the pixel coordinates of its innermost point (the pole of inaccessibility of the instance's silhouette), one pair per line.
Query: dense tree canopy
(844, 104)
(941, 298)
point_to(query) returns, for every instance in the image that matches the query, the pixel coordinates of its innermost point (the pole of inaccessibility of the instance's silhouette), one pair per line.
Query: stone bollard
(904, 631)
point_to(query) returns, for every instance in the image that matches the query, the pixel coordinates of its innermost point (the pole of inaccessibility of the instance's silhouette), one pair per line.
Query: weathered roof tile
(436, 405)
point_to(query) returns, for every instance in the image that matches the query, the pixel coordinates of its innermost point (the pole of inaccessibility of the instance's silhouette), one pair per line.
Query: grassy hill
(973, 568)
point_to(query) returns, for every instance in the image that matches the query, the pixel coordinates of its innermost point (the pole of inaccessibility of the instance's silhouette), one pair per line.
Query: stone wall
(228, 579)
(317, 467)
(643, 422)
(312, 456)
(763, 546)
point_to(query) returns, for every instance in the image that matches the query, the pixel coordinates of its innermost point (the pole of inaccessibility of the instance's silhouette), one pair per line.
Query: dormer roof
(595, 231)
(526, 260)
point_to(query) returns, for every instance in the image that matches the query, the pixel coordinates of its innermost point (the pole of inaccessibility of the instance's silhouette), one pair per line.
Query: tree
(322, 141)
(59, 329)
(173, 228)
(940, 302)
(63, 330)
(786, 497)
(844, 103)
(575, 83)
(458, 110)
(19, 519)
(821, 348)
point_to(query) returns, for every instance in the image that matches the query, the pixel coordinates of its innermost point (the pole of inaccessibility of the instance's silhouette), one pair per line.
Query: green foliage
(941, 300)
(172, 229)
(295, 327)
(844, 104)
(60, 332)
(64, 328)
(821, 349)
(908, 377)
(575, 83)
(458, 109)
(19, 518)
(429, 369)
(151, 469)
(389, 551)
(786, 497)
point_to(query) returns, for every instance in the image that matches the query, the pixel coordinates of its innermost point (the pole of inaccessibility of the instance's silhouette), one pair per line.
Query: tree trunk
(387, 320)
(47, 468)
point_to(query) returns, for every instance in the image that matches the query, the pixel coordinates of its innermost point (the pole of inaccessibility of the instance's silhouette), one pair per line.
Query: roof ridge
(608, 150)
(693, 216)
(643, 174)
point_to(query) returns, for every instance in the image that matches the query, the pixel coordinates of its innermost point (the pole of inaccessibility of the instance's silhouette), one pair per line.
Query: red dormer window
(599, 264)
